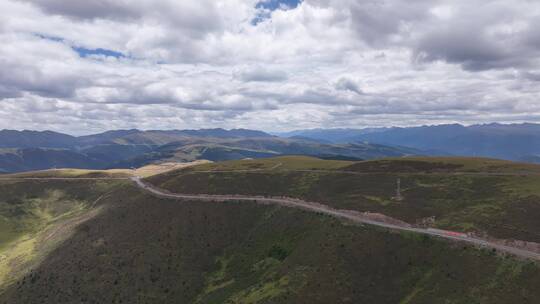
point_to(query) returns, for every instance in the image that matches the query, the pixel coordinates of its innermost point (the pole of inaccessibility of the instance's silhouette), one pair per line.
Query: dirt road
(343, 214)
(308, 206)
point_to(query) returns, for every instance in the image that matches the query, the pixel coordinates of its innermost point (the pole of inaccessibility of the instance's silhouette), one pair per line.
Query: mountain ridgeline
(32, 150)
(519, 142)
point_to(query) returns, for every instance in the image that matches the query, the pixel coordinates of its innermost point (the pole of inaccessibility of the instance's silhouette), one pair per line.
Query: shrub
(277, 252)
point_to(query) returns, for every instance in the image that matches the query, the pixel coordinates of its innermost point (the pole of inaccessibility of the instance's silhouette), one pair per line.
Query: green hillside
(140, 249)
(500, 198)
(36, 215)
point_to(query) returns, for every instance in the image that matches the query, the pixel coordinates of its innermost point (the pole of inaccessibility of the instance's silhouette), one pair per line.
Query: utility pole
(398, 190)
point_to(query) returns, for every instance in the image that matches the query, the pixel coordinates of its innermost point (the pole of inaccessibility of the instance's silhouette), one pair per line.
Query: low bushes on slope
(503, 205)
(147, 250)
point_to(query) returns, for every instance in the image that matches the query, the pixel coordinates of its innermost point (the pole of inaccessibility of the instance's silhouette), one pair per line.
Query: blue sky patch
(276, 4)
(266, 7)
(84, 52)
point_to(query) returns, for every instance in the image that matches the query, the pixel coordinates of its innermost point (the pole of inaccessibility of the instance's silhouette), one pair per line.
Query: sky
(83, 67)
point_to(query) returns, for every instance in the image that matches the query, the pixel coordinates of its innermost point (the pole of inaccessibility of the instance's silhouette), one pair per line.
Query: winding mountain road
(342, 214)
(308, 206)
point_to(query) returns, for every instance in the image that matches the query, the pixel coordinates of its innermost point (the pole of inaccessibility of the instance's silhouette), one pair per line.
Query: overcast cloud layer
(87, 66)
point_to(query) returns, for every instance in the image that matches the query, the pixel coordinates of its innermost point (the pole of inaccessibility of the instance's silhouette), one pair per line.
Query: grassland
(147, 250)
(35, 216)
(472, 195)
(275, 163)
(107, 242)
(145, 171)
(445, 164)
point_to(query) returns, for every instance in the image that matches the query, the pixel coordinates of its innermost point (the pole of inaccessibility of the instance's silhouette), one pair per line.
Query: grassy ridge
(145, 171)
(445, 164)
(498, 197)
(147, 250)
(274, 163)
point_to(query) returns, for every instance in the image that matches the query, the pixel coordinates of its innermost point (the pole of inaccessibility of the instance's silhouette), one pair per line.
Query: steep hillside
(140, 249)
(499, 198)
(37, 215)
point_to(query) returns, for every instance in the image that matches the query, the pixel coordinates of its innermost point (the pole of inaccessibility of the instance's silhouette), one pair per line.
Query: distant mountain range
(331, 135)
(33, 150)
(49, 139)
(506, 141)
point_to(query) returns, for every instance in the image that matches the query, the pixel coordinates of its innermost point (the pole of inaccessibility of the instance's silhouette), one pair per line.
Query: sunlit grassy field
(144, 171)
(35, 215)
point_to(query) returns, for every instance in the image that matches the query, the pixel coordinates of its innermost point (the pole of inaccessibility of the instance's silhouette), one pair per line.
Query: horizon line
(279, 132)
